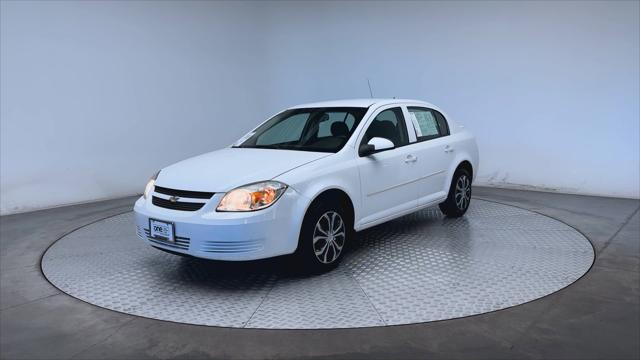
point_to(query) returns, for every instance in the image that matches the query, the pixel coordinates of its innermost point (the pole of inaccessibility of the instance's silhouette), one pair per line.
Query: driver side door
(387, 179)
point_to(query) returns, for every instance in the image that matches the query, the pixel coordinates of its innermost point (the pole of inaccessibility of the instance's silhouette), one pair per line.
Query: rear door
(433, 151)
(388, 184)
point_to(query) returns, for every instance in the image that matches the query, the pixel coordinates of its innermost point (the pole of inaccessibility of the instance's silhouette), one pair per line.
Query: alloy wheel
(463, 192)
(329, 237)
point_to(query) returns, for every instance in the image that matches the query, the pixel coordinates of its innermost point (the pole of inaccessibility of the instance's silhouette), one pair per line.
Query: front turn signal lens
(252, 197)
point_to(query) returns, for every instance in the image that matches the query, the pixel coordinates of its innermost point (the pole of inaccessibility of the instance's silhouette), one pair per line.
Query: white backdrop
(96, 96)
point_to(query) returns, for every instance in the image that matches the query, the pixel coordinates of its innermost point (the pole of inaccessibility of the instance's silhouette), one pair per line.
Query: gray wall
(98, 95)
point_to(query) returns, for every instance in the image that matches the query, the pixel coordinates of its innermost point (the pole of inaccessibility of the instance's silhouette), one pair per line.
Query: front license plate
(162, 230)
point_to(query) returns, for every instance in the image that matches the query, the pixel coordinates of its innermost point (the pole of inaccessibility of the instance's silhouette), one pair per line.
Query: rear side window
(428, 123)
(442, 123)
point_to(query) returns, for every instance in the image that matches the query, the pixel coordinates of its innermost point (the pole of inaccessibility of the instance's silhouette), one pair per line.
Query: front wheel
(459, 197)
(325, 231)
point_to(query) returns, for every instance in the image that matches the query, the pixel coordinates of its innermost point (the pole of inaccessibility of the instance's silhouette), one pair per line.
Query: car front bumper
(233, 236)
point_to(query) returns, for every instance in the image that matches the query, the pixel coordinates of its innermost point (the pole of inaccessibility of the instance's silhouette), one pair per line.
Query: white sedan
(304, 181)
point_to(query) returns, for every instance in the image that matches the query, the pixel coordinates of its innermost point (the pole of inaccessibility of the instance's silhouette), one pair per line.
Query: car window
(307, 129)
(290, 129)
(388, 124)
(324, 128)
(442, 123)
(427, 124)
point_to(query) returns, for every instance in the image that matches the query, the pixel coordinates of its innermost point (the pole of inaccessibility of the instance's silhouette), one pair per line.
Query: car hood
(223, 170)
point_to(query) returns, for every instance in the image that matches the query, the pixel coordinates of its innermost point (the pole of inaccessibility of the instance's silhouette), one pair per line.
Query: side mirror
(375, 144)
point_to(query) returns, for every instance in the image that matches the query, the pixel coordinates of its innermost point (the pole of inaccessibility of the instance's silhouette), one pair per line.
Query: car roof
(360, 103)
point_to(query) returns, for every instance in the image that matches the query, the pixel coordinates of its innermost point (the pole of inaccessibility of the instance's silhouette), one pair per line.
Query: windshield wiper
(272, 146)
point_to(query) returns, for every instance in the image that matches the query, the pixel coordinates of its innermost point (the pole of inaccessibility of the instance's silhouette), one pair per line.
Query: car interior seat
(339, 129)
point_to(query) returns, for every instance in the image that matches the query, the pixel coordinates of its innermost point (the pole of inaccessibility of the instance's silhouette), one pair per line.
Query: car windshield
(306, 129)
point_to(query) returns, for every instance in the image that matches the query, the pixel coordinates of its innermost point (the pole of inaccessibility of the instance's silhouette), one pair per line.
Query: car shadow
(232, 274)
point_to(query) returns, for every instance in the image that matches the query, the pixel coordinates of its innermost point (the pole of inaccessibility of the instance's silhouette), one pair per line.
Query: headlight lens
(252, 197)
(150, 185)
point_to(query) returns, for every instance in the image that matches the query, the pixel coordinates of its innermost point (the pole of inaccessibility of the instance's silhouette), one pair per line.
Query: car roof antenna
(370, 91)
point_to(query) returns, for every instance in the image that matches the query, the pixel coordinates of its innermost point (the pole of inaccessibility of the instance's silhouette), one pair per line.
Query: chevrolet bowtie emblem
(174, 199)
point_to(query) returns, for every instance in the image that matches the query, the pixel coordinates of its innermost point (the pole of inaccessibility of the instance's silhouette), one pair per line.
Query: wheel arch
(464, 162)
(338, 195)
(329, 194)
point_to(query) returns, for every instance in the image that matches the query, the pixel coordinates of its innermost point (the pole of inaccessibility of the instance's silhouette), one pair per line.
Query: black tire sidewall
(449, 206)
(306, 258)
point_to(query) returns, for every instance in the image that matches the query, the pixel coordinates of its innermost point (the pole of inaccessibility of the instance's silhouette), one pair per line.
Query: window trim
(436, 114)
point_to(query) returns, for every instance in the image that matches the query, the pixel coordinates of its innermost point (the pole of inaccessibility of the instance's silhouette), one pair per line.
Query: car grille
(178, 205)
(174, 201)
(184, 193)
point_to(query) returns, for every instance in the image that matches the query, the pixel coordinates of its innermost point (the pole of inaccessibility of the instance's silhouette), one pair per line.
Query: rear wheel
(325, 231)
(459, 196)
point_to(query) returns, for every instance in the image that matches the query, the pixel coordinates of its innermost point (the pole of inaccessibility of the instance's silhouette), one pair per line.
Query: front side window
(388, 124)
(427, 123)
(306, 129)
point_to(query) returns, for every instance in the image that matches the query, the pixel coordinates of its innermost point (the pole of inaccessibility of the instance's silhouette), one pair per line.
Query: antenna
(370, 91)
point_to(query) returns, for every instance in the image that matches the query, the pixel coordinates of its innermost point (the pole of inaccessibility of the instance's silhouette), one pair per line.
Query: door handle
(410, 159)
(448, 149)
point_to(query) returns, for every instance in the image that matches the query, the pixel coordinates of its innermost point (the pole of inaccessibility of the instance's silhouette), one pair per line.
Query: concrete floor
(596, 317)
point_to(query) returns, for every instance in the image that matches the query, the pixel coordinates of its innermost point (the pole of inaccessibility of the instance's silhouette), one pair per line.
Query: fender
(316, 192)
(337, 171)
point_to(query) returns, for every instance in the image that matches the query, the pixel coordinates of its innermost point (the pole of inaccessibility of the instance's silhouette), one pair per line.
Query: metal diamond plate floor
(422, 267)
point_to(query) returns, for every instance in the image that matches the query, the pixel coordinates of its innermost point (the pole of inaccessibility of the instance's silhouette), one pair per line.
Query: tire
(459, 196)
(325, 253)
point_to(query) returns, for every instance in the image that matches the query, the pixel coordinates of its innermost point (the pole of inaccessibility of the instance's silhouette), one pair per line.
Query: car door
(433, 152)
(388, 184)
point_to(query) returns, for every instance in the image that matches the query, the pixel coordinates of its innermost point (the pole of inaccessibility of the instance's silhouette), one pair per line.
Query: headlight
(150, 185)
(252, 197)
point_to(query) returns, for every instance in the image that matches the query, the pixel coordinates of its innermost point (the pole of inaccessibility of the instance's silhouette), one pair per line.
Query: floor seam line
(32, 301)
(368, 298)
(609, 267)
(103, 340)
(625, 223)
(261, 302)
(35, 265)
